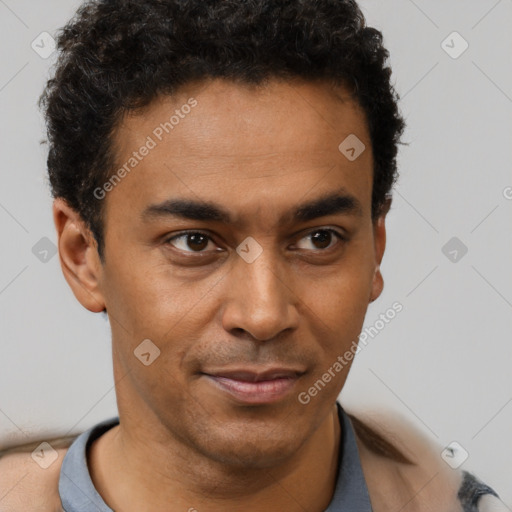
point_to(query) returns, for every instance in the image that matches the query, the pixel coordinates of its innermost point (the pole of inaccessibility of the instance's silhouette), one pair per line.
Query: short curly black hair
(117, 56)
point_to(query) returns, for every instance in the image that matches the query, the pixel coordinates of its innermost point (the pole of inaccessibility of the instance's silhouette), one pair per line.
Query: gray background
(444, 362)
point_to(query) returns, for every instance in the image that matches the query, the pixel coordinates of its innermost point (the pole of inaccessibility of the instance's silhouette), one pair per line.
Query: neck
(157, 472)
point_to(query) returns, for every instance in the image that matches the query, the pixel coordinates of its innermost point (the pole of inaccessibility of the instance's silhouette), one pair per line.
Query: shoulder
(405, 469)
(29, 476)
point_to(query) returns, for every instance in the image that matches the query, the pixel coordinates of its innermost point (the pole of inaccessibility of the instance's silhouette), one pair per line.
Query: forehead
(310, 111)
(234, 143)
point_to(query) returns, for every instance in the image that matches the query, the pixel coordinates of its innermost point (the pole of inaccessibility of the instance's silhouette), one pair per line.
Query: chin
(251, 447)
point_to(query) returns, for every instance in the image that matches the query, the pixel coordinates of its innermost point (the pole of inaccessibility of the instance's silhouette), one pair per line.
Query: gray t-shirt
(78, 494)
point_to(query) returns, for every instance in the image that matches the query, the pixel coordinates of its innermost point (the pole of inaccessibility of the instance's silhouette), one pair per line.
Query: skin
(258, 152)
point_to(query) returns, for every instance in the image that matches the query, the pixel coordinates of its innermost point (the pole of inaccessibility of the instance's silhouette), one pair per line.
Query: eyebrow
(332, 203)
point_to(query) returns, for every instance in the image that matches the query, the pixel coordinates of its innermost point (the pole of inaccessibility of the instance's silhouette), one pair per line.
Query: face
(240, 244)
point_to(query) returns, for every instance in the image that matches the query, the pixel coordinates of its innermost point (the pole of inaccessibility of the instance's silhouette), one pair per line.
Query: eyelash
(337, 234)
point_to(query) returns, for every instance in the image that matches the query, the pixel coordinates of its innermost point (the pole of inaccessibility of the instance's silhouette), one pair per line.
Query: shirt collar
(76, 490)
(78, 494)
(351, 492)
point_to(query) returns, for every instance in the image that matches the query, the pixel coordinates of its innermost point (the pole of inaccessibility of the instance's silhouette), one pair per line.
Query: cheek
(144, 296)
(341, 296)
(338, 303)
(147, 304)
(153, 303)
(343, 309)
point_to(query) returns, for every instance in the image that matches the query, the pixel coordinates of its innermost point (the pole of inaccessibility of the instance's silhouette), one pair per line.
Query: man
(221, 174)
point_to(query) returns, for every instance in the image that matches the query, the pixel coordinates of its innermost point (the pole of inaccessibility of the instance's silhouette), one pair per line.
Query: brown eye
(190, 242)
(322, 238)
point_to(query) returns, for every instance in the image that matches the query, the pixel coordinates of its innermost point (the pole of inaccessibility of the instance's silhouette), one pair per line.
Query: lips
(255, 376)
(253, 386)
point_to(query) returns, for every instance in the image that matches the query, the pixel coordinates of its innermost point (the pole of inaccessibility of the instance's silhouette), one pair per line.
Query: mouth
(255, 387)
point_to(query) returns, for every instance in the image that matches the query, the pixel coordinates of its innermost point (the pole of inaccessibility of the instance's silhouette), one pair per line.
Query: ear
(379, 240)
(78, 256)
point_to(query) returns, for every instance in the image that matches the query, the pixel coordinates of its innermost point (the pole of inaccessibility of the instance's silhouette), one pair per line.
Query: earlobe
(78, 256)
(377, 285)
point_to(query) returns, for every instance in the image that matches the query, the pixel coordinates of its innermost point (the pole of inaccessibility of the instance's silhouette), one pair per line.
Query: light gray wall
(444, 361)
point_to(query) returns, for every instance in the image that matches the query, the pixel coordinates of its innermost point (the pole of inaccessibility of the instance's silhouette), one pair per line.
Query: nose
(260, 300)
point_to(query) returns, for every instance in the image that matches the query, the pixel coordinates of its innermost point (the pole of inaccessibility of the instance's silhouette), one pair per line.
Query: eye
(322, 238)
(195, 240)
